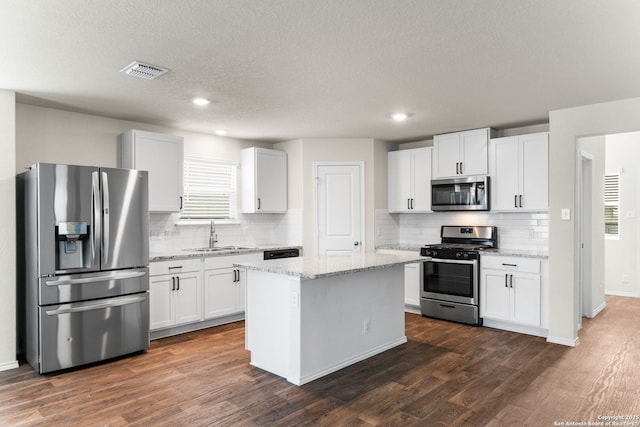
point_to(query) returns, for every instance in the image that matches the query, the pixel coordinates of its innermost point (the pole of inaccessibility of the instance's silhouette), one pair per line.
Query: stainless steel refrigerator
(83, 252)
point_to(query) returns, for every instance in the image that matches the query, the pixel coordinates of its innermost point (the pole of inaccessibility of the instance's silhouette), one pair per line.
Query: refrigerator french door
(86, 259)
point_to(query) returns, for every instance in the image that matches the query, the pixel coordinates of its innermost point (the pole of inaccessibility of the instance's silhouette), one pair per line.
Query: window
(612, 204)
(209, 189)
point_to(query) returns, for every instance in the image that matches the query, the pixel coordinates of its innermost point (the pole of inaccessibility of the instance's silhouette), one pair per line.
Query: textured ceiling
(284, 69)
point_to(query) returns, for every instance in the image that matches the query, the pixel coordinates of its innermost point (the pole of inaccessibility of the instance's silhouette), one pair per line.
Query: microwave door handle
(96, 217)
(105, 209)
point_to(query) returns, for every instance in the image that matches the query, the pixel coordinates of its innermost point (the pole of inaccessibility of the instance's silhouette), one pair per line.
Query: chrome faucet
(213, 237)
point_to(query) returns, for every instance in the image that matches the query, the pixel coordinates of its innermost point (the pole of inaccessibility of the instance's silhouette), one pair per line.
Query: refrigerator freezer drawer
(80, 333)
(82, 287)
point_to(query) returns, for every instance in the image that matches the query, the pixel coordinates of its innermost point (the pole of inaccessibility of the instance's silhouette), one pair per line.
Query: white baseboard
(598, 309)
(514, 327)
(622, 294)
(9, 365)
(563, 341)
(343, 364)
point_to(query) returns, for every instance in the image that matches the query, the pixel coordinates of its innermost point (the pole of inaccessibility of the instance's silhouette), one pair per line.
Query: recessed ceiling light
(400, 117)
(201, 101)
(221, 132)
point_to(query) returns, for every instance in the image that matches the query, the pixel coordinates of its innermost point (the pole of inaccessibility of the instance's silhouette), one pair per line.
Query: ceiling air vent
(143, 71)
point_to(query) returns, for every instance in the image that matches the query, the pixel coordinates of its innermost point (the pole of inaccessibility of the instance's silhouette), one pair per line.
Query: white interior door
(339, 208)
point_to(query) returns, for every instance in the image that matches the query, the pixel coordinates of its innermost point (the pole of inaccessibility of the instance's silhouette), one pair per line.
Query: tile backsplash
(517, 230)
(167, 233)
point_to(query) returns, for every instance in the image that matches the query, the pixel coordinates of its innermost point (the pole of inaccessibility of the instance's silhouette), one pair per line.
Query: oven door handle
(453, 261)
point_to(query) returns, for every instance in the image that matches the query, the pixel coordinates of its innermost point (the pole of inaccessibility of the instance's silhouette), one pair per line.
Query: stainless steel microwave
(460, 194)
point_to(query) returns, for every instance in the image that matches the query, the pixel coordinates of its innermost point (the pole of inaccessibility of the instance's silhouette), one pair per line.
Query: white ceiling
(284, 69)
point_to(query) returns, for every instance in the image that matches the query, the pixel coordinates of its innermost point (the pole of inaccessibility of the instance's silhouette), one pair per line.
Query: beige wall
(7, 230)
(302, 155)
(56, 136)
(565, 127)
(622, 253)
(294, 170)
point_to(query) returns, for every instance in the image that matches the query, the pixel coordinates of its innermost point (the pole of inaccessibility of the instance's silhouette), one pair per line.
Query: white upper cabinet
(519, 168)
(160, 155)
(409, 180)
(461, 153)
(264, 180)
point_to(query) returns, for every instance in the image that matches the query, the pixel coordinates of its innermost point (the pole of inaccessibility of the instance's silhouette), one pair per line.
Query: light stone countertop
(524, 253)
(185, 253)
(315, 267)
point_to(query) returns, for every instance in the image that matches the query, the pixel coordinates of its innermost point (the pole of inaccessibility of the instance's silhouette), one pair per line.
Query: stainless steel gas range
(451, 278)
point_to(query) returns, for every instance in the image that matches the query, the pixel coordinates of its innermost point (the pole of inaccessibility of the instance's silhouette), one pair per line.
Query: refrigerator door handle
(114, 276)
(105, 210)
(111, 302)
(96, 209)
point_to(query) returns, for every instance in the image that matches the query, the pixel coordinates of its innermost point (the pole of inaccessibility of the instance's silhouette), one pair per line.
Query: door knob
(356, 243)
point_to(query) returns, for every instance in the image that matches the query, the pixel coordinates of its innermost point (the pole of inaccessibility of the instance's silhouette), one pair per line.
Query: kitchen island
(310, 316)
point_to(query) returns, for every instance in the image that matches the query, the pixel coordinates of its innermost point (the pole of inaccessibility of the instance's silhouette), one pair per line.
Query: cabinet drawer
(175, 266)
(227, 261)
(520, 264)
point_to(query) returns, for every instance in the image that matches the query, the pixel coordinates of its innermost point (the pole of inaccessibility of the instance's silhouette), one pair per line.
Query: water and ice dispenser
(73, 242)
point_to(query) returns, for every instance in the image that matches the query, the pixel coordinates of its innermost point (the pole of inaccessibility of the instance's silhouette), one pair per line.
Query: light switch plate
(565, 214)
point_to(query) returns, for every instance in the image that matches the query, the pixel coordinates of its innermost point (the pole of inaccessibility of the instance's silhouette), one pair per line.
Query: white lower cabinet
(225, 285)
(512, 293)
(412, 280)
(175, 293)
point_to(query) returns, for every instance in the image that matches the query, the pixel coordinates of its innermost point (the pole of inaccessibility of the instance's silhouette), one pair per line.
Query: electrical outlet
(625, 278)
(367, 326)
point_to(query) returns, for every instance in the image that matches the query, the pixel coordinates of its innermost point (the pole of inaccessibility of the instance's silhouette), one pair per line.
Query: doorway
(339, 207)
(585, 201)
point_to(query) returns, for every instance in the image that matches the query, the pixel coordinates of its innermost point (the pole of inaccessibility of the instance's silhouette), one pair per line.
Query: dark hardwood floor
(447, 374)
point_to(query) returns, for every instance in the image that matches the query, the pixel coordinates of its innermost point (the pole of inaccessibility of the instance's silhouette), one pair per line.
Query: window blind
(209, 189)
(612, 204)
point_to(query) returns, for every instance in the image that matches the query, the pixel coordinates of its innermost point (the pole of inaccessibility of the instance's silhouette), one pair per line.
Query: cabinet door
(495, 295)
(271, 181)
(241, 285)
(162, 156)
(474, 145)
(399, 180)
(534, 172)
(506, 175)
(161, 302)
(187, 299)
(421, 168)
(412, 273)
(446, 155)
(525, 299)
(220, 292)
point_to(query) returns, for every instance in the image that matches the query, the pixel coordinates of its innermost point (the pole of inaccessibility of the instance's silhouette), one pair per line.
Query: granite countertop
(401, 247)
(228, 250)
(524, 253)
(315, 267)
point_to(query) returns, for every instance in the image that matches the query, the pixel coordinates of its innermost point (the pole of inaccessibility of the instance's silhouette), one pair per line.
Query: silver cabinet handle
(461, 172)
(412, 207)
(173, 283)
(258, 203)
(515, 200)
(114, 276)
(97, 218)
(178, 282)
(520, 197)
(506, 280)
(112, 302)
(408, 203)
(457, 168)
(511, 280)
(105, 209)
